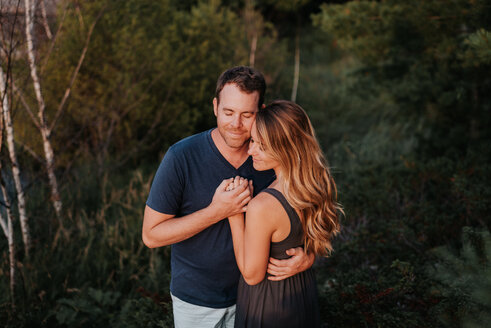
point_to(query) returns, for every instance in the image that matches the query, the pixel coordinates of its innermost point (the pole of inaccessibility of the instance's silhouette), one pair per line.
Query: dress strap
(292, 214)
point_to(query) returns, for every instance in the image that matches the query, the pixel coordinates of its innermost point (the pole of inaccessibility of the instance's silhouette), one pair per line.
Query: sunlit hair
(286, 134)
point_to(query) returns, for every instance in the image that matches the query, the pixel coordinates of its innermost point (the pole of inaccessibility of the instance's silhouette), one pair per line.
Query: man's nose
(237, 122)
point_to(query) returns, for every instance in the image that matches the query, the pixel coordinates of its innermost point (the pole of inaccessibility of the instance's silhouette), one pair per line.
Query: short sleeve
(166, 192)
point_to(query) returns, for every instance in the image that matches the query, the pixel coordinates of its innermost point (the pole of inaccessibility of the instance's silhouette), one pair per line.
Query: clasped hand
(232, 196)
(278, 269)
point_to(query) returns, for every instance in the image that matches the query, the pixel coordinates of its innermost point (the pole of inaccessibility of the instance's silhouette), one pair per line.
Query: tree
(6, 222)
(147, 81)
(419, 52)
(41, 122)
(7, 50)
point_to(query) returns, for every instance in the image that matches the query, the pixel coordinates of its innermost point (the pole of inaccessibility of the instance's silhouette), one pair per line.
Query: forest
(94, 92)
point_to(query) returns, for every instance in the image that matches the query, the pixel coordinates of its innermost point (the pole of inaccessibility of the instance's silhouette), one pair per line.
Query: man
(186, 209)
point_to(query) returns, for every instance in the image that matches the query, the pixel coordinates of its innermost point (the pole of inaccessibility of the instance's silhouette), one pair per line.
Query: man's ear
(215, 106)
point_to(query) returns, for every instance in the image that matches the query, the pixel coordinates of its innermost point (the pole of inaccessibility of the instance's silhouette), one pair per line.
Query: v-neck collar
(221, 157)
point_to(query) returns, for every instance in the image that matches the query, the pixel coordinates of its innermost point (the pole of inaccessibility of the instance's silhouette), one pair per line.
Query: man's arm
(161, 229)
(282, 269)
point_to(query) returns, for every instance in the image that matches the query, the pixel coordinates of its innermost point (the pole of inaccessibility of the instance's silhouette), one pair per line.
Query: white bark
(12, 261)
(9, 129)
(45, 20)
(252, 55)
(9, 232)
(48, 149)
(7, 226)
(296, 74)
(251, 28)
(50, 165)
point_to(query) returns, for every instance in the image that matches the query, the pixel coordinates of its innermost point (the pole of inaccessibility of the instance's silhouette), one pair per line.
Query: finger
(246, 201)
(236, 181)
(240, 189)
(244, 209)
(280, 273)
(276, 270)
(231, 186)
(224, 184)
(294, 251)
(278, 278)
(274, 263)
(251, 187)
(241, 180)
(244, 194)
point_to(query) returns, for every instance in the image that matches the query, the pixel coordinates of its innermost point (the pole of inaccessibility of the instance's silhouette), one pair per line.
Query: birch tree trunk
(8, 230)
(252, 54)
(45, 133)
(296, 74)
(7, 225)
(9, 129)
(45, 19)
(252, 25)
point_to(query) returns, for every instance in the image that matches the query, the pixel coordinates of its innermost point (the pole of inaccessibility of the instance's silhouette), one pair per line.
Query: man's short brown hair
(246, 78)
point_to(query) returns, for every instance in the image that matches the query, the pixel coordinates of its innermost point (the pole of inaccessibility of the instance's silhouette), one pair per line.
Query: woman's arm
(252, 238)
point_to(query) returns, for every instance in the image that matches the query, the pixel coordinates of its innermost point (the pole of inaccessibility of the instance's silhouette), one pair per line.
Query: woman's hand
(236, 182)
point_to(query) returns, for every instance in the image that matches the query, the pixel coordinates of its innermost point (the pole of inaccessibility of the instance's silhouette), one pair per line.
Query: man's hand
(229, 202)
(235, 183)
(282, 269)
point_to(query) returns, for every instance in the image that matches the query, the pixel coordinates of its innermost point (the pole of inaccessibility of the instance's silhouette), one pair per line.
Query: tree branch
(26, 105)
(31, 152)
(75, 73)
(53, 41)
(45, 19)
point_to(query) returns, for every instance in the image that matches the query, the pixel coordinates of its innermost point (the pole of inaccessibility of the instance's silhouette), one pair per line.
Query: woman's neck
(278, 183)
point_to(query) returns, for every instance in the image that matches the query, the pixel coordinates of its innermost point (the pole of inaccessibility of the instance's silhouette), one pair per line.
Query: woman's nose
(250, 151)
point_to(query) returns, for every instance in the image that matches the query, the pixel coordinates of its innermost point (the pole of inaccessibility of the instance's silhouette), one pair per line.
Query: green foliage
(397, 92)
(465, 280)
(393, 32)
(388, 296)
(288, 5)
(98, 308)
(148, 77)
(404, 128)
(91, 271)
(479, 51)
(144, 312)
(95, 306)
(420, 52)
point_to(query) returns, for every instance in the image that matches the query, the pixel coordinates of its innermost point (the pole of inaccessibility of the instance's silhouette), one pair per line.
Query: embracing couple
(246, 206)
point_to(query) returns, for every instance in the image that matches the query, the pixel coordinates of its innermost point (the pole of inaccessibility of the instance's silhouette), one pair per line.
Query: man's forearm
(176, 229)
(163, 229)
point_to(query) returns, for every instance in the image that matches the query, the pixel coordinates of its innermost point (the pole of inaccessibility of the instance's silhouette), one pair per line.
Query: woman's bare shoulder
(263, 203)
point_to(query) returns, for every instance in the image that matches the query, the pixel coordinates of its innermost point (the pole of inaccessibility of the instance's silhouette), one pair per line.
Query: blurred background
(94, 92)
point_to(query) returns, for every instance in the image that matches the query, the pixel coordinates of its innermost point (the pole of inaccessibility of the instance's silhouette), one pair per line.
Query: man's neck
(235, 156)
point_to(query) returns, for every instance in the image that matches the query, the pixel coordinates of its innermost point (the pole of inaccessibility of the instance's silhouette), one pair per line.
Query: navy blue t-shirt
(203, 267)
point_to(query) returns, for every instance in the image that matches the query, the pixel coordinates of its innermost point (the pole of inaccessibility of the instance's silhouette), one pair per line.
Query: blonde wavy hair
(286, 134)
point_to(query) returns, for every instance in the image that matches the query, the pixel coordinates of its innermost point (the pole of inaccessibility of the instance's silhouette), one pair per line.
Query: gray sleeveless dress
(291, 302)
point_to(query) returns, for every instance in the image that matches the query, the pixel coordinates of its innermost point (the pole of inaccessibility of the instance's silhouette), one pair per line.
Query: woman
(298, 209)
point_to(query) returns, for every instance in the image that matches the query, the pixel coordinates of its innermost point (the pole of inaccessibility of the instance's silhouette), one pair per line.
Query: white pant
(188, 315)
